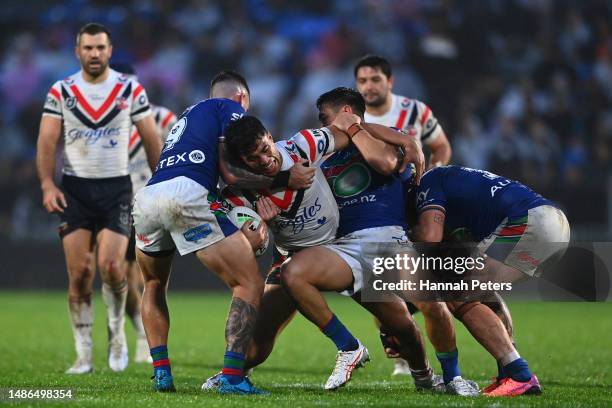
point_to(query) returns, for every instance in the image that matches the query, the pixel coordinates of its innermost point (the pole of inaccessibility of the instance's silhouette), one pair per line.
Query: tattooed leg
(240, 326)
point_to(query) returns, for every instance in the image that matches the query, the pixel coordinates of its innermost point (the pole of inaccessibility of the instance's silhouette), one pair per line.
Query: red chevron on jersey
(96, 113)
(282, 203)
(55, 94)
(401, 119)
(311, 143)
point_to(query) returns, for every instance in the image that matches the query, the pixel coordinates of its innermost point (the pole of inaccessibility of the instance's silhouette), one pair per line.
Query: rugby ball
(239, 215)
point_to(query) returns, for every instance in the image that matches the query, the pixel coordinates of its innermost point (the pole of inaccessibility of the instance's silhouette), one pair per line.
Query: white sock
(510, 357)
(114, 298)
(81, 319)
(138, 325)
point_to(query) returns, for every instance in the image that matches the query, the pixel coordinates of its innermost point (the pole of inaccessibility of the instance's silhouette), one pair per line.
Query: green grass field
(568, 345)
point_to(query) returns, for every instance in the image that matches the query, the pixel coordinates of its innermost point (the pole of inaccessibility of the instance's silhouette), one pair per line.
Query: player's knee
(292, 275)
(435, 311)
(111, 269)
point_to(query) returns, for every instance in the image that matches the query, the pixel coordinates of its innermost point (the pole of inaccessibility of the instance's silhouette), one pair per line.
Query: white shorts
(358, 249)
(530, 243)
(177, 213)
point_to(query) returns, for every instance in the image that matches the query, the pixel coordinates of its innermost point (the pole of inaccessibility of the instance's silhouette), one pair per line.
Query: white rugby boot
(346, 363)
(463, 387)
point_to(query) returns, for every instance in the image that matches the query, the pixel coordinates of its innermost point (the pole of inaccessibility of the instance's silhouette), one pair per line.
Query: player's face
(265, 159)
(94, 52)
(327, 114)
(373, 85)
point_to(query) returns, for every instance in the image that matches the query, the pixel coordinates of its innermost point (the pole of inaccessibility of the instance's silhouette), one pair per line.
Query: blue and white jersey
(366, 199)
(191, 148)
(474, 199)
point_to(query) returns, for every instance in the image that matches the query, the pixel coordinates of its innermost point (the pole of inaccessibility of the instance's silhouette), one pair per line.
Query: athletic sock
(233, 367)
(450, 365)
(161, 362)
(114, 298)
(500, 367)
(515, 367)
(81, 319)
(339, 334)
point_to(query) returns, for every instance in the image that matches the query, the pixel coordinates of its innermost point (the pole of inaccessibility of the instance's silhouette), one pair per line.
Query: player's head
(374, 79)
(124, 68)
(341, 99)
(231, 85)
(94, 48)
(248, 139)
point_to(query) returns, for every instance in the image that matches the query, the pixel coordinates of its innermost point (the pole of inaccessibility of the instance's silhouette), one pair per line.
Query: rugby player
(140, 174)
(372, 221)
(173, 212)
(374, 80)
(94, 109)
(308, 218)
(522, 234)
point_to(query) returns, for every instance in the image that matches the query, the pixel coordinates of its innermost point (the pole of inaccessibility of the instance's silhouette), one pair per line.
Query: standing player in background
(374, 81)
(95, 108)
(140, 173)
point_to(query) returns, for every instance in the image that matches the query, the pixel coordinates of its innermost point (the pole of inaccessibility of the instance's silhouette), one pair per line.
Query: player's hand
(53, 199)
(413, 154)
(344, 120)
(301, 176)
(267, 209)
(257, 237)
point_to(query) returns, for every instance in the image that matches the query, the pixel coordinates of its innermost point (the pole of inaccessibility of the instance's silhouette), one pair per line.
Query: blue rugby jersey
(191, 149)
(474, 199)
(365, 198)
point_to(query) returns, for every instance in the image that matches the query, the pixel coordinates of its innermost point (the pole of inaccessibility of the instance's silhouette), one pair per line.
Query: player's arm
(382, 156)
(411, 149)
(235, 173)
(430, 227)
(440, 151)
(151, 139)
(48, 137)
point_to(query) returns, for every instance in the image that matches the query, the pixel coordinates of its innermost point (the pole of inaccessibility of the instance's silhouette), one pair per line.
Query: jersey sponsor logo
(352, 181)
(499, 186)
(142, 100)
(69, 81)
(71, 103)
(52, 101)
(368, 198)
(236, 116)
(307, 214)
(175, 134)
(422, 196)
(91, 136)
(405, 102)
(197, 233)
(197, 156)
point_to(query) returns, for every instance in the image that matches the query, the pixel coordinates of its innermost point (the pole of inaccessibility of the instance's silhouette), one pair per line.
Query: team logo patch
(197, 233)
(352, 181)
(175, 133)
(197, 156)
(405, 103)
(71, 103)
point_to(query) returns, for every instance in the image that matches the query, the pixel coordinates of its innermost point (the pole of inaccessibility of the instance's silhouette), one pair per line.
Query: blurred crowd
(522, 87)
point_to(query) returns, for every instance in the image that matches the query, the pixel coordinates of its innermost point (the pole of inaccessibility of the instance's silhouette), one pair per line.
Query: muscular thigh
(78, 250)
(321, 267)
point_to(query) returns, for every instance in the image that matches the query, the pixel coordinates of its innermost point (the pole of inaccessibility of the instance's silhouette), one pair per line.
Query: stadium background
(522, 87)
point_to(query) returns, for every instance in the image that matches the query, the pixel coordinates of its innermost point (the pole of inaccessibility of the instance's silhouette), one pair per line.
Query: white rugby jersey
(309, 217)
(140, 172)
(97, 120)
(410, 115)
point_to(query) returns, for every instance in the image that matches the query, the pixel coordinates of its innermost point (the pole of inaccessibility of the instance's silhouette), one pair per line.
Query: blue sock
(161, 362)
(518, 370)
(233, 367)
(450, 365)
(342, 338)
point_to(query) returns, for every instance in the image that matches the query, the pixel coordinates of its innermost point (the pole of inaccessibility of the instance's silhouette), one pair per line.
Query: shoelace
(342, 359)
